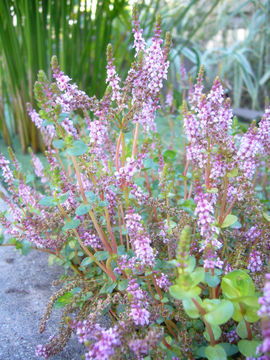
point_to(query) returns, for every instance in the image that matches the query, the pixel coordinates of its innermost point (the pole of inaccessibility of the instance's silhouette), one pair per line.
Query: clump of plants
(169, 243)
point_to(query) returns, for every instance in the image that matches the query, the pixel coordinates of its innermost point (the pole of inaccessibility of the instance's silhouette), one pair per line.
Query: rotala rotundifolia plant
(168, 243)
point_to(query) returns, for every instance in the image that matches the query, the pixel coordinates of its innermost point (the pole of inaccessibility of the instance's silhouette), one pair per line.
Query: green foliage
(218, 312)
(215, 353)
(248, 347)
(71, 224)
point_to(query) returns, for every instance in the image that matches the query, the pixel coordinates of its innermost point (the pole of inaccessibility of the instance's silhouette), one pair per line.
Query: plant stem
(135, 141)
(207, 325)
(117, 151)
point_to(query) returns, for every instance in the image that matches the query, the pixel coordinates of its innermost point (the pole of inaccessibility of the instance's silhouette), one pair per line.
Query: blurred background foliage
(230, 38)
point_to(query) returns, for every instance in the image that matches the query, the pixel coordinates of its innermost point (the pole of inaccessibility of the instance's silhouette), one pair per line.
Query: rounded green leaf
(266, 216)
(220, 313)
(230, 349)
(86, 261)
(215, 353)
(83, 209)
(251, 314)
(248, 347)
(122, 285)
(47, 201)
(63, 197)
(191, 309)
(237, 284)
(181, 293)
(241, 329)
(58, 144)
(91, 197)
(102, 255)
(229, 221)
(77, 148)
(216, 331)
(73, 224)
(232, 173)
(197, 276)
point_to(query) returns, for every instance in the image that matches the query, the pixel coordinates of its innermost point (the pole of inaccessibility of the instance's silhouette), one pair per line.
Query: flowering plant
(170, 248)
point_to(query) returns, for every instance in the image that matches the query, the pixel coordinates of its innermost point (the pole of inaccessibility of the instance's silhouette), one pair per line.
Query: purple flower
(68, 126)
(255, 262)
(139, 305)
(38, 168)
(6, 172)
(139, 238)
(104, 345)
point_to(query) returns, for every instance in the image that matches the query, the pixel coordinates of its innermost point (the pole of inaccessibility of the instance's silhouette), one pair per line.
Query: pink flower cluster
(139, 305)
(139, 238)
(102, 341)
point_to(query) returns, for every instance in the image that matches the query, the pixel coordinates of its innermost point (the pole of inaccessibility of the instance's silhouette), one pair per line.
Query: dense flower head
(148, 78)
(105, 343)
(255, 262)
(48, 132)
(68, 126)
(139, 238)
(138, 304)
(6, 172)
(250, 148)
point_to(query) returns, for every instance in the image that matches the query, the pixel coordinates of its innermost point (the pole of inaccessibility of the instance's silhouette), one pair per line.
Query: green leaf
(103, 203)
(181, 293)
(266, 216)
(63, 197)
(232, 173)
(251, 314)
(86, 261)
(83, 209)
(169, 155)
(237, 284)
(72, 224)
(190, 264)
(102, 255)
(191, 309)
(108, 288)
(211, 281)
(91, 197)
(29, 178)
(229, 220)
(241, 330)
(121, 250)
(216, 331)
(78, 148)
(200, 352)
(220, 313)
(250, 301)
(230, 349)
(215, 353)
(197, 276)
(123, 284)
(59, 144)
(26, 247)
(47, 201)
(248, 347)
(63, 300)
